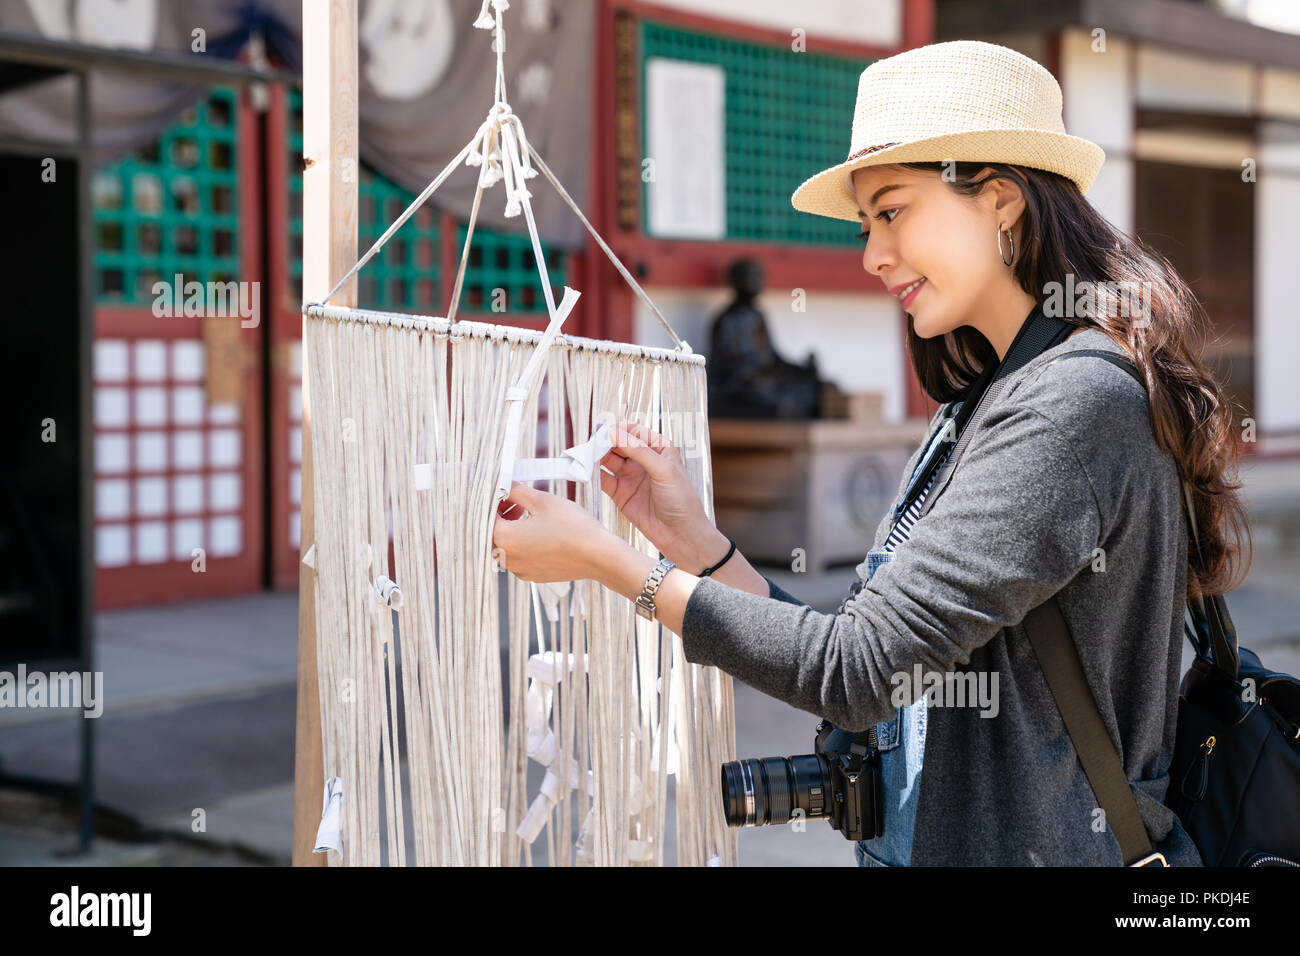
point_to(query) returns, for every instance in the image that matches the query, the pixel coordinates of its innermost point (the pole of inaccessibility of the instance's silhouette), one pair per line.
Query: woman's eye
(866, 233)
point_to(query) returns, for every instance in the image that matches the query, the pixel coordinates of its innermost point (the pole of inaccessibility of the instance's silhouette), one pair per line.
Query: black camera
(839, 783)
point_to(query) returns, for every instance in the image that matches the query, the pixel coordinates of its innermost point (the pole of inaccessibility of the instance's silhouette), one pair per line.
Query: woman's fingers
(617, 475)
(653, 439)
(553, 540)
(615, 460)
(635, 448)
(521, 501)
(633, 435)
(515, 513)
(628, 444)
(608, 483)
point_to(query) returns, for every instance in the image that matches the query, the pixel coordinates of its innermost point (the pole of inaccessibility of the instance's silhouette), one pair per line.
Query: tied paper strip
(578, 463)
(540, 809)
(328, 835)
(518, 393)
(638, 851)
(545, 671)
(551, 593)
(387, 594)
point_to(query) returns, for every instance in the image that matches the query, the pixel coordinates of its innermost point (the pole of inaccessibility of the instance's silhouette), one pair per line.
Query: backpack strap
(1059, 659)
(1119, 361)
(1209, 613)
(1058, 656)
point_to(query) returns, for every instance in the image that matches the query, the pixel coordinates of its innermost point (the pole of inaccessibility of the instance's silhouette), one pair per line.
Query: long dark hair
(1063, 234)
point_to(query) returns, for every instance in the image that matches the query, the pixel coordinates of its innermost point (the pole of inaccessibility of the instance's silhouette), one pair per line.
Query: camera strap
(1038, 333)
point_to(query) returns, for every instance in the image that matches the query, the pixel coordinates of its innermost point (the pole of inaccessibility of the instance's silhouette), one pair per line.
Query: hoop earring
(1010, 239)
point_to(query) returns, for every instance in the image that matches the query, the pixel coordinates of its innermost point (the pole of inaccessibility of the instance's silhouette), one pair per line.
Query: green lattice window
(171, 207)
(505, 261)
(295, 190)
(787, 116)
(406, 275)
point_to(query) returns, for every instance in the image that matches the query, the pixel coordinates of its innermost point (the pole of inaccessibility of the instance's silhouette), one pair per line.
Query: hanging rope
(502, 153)
(410, 446)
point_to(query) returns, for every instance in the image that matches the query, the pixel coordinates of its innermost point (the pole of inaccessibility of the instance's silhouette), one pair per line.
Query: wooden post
(329, 249)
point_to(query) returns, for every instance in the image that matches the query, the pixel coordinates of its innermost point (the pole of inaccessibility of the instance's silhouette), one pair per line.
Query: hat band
(870, 149)
(848, 177)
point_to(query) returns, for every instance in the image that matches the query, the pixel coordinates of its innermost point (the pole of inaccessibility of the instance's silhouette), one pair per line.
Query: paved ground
(195, 748)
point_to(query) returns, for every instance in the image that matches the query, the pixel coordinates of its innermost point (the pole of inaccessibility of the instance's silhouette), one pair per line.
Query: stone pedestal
(815, 489)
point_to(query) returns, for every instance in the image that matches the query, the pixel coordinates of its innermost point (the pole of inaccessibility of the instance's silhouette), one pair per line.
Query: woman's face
(925, 230)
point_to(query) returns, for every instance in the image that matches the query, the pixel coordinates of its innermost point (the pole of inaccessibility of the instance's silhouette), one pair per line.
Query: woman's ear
(1006, 201)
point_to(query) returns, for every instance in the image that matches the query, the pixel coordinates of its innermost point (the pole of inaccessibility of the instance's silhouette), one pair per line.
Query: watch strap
(645, 601)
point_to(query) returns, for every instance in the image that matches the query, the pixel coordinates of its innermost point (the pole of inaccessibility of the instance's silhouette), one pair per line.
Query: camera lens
(769, 790)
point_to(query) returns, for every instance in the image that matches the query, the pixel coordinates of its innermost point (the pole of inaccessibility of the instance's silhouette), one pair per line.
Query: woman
(1069, 487)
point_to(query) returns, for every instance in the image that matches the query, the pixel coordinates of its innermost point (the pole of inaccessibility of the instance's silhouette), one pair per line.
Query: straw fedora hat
(962, 100)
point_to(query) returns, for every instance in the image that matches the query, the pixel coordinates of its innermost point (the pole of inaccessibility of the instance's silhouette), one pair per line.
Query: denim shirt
(901, 742)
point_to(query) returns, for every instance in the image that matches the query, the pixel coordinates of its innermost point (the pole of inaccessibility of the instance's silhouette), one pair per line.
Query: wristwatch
(645, 601)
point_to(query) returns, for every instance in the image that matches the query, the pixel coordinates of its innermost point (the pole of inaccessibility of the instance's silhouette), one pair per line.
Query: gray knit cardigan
(1062, 491)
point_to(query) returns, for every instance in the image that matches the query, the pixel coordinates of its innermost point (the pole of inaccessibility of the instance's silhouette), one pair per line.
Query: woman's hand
(649, 485)
(544, 537)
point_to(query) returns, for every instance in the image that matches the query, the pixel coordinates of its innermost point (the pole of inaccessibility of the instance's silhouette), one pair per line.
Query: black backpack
(1234, 782)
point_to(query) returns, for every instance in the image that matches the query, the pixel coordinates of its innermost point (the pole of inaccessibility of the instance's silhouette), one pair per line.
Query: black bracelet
(707, 571)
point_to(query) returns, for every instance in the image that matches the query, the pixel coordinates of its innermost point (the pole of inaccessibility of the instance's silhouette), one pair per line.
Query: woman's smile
(916, 288)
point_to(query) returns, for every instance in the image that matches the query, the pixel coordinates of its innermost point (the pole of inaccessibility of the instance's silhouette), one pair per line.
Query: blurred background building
(702, 118)
(681, 126)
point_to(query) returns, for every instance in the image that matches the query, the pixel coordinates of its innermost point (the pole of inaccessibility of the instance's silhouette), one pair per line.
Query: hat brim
(829, 193)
